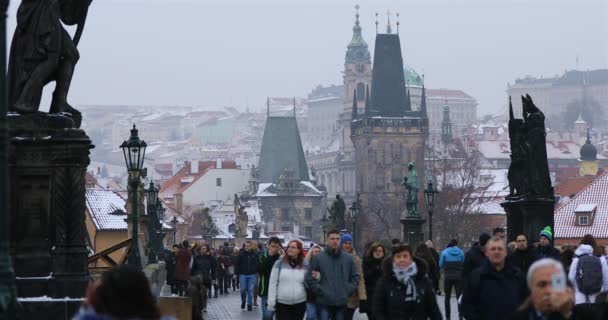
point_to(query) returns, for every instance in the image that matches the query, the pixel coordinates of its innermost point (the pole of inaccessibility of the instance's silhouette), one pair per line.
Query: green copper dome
(588, 151)
(357, 50)
(412, 78)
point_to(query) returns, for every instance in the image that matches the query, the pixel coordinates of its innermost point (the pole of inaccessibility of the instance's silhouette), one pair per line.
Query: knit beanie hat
(452, 243)
(547, 233)
(346, 237)
(483, 238)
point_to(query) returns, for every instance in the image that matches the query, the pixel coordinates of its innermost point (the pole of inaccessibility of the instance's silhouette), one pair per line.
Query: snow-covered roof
(307, 190)
(107, 209)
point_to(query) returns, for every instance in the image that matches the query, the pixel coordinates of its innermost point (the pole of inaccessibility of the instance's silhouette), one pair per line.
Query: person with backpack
(588, 272)
(451, 261)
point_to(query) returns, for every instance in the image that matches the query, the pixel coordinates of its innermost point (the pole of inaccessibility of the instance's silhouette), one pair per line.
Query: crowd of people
(493, 280)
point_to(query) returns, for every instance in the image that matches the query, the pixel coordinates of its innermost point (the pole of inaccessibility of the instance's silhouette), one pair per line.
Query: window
(583, 220)
(308, 232)
(308, 214)
(360, 91)
(218, 182)
(284, 214)
(285, 228)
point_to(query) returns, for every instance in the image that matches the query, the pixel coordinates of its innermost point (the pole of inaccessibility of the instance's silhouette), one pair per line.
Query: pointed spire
(423, 100)
(376, 22)
(267, 107)
(511, 116)
(354, 115)
(588, 136)
(357, 15)
(388, 22)
(397, 23)
(367, 102)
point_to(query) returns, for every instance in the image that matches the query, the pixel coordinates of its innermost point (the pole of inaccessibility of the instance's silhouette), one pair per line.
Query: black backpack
(589, 274)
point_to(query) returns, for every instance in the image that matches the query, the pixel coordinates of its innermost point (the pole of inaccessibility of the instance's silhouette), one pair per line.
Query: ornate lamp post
(174, 225)
(152, 210)
(354, 211)
(324, 222)
(430, 194)
(134, 151)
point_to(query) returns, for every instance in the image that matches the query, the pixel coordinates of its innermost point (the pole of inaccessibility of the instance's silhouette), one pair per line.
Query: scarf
(406, 277)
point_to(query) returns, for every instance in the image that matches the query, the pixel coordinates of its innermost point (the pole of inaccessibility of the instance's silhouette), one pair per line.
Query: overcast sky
(229, 52)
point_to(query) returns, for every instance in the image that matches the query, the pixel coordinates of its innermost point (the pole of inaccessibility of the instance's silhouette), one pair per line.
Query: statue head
(338, 197)
(528, 105)
(410, 166)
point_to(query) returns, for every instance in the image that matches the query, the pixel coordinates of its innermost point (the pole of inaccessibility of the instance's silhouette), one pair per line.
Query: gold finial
(397, 23)
(376, 22)
(388, 24)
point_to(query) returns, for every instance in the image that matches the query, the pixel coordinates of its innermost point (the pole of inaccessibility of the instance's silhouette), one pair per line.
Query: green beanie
(547, 233)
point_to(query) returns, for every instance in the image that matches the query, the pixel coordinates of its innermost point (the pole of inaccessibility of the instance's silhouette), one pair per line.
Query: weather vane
(376, 22)
(397, 23)
(388, 23)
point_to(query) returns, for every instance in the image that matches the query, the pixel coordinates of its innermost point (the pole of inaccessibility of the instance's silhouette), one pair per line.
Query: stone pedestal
(528, 217)
(412, 230)
(47, 164)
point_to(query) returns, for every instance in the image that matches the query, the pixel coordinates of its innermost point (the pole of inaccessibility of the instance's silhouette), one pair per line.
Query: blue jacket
(451, 261)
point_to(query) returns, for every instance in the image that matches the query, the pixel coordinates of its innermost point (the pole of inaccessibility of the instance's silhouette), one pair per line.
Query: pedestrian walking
(435, 255)
(267, 260)
(214, 283)
(346, 243)
(476, 256)
(423, 252)
(204, 268)
(257, 249)
(222, 270)
(588, 272)
(312, 312)
(522, 256)
(183, 260)
(404, 291)
(545, 249)
(235, 279)
(195, 292)
(496, 289)
(546, 301)
(451, 261)
(286, 289)
(123, 292)
(333, 277)
(170, 260)
(372, 272)
(246, 267)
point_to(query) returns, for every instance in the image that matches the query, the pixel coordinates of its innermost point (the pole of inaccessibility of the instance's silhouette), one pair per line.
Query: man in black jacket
(496, 289)
(267, 260)
(476, 256)
(245, 268)
(522, 257)
(204, 266)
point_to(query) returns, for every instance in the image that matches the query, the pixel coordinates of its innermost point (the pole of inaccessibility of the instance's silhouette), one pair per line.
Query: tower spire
(397, 22)
(388, 22)
(511, 116)
(423, 100)
(354, 115)
(367, 102)
(376, 22)
(267, 107)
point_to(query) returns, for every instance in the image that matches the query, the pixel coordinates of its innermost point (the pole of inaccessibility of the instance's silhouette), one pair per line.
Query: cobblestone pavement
(228, 307)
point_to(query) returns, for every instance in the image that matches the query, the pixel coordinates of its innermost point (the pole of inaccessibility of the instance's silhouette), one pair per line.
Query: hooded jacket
(339, 277)
(451, 262)
(266, 265)
(579, 297)
(474, 259)
(389, 296)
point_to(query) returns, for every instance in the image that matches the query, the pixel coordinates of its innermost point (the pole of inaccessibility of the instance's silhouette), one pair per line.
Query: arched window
(360, 91)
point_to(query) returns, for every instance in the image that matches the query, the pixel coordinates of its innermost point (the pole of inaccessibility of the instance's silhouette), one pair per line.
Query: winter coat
(580, 297)
(310, 295)
(474, 259)
(491, 294)
(522, 259)
(205, 266)
(541, 252)
(170, 266)
(451, 261)
(372, 272)
(389, 296)
(223, 264)
(286, 285)
(182, 264)
(432, 270)
(339, 277)
(266, 263)
(246, 263)
(360, 294)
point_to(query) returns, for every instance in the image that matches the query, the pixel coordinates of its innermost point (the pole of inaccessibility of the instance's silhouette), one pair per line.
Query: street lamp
(134, 151)
(152, 210)
(354, 211)
(174, 224)
(430, 194)
(324, 221)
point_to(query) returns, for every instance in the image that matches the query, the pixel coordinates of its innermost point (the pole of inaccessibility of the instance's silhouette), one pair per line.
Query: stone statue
(529, 170)
(43, 51)
(208, 228)
(336, 213)
(241, 218)
(411, 185)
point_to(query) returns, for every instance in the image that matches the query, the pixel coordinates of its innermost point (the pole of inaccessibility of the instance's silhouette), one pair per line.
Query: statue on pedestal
(336, 213)
(43, 51)
(411, 185)
(241, 218)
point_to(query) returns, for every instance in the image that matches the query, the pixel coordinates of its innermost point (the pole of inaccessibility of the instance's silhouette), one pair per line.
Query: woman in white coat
(588, 247)
(286, 291)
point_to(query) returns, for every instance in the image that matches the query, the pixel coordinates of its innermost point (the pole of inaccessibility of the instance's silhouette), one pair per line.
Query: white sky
(237, 52)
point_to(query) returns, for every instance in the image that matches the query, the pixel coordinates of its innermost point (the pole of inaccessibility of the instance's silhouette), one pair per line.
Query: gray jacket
(339, 277)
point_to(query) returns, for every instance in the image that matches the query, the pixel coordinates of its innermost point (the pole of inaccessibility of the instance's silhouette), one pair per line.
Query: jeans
(331, 312)
(447, 287)
(221, 281)
(312, 312)
(247, 282)
(266, 314)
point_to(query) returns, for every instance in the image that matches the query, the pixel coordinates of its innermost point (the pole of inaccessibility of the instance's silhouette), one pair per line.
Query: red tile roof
(573, 186)
(175, 185)
(595, 193)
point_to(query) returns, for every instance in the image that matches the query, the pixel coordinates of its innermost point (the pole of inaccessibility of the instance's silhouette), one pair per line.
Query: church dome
(588, 151)
(412, 78)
